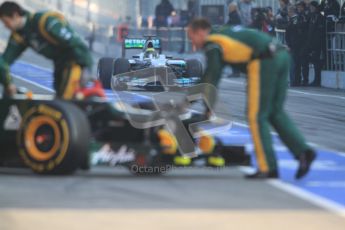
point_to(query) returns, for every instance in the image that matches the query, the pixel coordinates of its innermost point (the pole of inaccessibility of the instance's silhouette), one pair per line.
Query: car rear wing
(139, 43)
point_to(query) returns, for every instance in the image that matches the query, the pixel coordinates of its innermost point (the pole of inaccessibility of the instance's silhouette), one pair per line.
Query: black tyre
(54, 138)
(121, 65)
(194, 68)
(105, 71)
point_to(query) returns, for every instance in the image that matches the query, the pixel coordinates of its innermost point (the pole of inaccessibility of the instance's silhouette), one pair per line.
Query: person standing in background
(316, 40)
(281, 16)
(270, 21)
(261, 21)
(331, 10)
(295, 38)
(192, 9)
(302, 11)
(234, 16)
(303, 18)
(234, 20)
(92, 36)
(162, 12)
(342, 11)
(307, 4)
(245, 9)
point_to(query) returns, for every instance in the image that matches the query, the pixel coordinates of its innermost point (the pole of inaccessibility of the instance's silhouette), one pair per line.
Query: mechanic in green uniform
(50, 35)
(267, 65)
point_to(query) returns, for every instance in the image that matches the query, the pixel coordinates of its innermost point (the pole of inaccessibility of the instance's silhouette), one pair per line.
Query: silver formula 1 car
(185, 72)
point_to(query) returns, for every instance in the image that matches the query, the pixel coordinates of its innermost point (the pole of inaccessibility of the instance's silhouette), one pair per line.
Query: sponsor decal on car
(107, 156)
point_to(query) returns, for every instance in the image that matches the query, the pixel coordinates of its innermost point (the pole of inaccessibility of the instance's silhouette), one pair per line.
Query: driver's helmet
(150, 51)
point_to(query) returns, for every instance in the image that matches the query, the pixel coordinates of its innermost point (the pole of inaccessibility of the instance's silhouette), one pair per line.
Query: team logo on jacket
(65, 34)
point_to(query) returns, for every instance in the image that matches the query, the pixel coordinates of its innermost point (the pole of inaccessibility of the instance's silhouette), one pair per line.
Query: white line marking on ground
(303, 194)
(310, 197)
(33, 83)
(36, 66)
(316, 94)
(292, 91)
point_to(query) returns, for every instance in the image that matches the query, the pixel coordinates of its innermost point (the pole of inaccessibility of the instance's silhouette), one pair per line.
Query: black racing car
(52, 136)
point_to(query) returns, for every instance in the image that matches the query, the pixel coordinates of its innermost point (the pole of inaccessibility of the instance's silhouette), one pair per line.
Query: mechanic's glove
(10, 90)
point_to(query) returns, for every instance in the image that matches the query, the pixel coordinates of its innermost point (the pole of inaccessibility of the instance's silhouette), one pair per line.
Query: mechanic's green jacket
(235, 46)
(49, 34)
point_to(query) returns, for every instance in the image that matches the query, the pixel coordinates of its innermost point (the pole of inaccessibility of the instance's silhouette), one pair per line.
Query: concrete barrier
(333, 79)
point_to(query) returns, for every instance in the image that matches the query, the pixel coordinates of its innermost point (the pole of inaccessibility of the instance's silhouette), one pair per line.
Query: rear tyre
(54, 138)
(105, 71)
(194, 68)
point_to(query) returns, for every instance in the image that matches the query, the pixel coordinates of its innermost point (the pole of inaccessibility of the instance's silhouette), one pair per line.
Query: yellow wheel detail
(216, 161)
(42, 138)
(168, 142)
(182, 161)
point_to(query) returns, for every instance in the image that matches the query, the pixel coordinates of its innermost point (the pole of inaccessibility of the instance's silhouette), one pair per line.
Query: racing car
(187, 72)
(52, 136)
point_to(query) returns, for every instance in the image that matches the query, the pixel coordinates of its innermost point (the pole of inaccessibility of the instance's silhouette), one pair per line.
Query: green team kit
(266, 63)
(49, 34)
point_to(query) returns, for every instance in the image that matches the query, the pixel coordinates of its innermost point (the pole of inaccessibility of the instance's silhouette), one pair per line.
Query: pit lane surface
(111, 198)
(184, 199)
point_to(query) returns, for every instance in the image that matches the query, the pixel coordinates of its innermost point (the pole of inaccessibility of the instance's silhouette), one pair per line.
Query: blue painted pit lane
(44, 78)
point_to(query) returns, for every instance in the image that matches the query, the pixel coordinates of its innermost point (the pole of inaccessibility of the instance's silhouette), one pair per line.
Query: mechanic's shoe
(216, 161)
(263, 175)
(305, 161)
(182, 161)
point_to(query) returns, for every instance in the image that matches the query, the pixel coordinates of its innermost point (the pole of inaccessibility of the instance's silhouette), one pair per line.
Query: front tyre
(194, 68)
(105, 71)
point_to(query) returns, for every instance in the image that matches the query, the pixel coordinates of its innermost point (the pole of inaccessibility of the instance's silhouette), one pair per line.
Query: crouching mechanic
(49, 34)
(267, 65)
